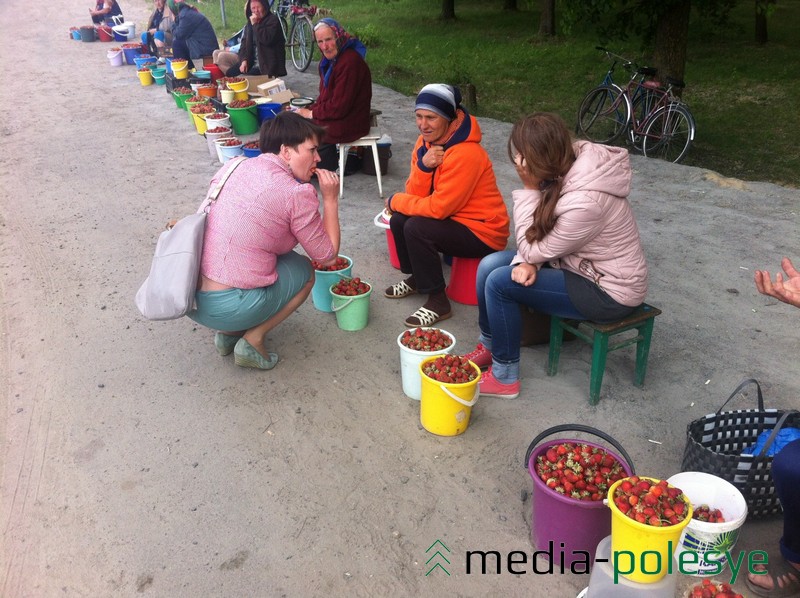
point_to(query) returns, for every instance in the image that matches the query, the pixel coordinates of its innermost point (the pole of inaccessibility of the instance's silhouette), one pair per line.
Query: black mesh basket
(714, 444)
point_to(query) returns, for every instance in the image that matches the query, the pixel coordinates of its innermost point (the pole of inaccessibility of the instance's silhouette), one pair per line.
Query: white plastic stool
(369, 140)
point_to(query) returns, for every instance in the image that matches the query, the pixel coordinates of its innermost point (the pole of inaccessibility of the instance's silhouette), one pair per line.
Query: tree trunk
(671, 39)
(510, 5)
(761, 22)
(547, 19)
(448, 10)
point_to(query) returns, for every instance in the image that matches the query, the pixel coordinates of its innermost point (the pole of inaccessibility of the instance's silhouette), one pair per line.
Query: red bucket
(462, 287)
(566, 526)
(104, 33)
(216, 72)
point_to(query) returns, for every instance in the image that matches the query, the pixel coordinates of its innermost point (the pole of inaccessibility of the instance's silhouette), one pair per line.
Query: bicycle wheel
(644, 102)
(282, 12)
(604, 114)
(302, 48)
(668, 133)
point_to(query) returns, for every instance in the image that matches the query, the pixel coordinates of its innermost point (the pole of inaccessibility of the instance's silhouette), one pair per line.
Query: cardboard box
(272, 87)
(255, 81)
(282, 97)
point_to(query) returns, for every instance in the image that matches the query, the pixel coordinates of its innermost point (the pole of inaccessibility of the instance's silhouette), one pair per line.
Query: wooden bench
(641, 320)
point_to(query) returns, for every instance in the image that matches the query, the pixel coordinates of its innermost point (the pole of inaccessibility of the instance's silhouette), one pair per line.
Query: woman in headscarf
(263, 47)
(193, 34)
(345, 90)
(451, 204)
(158, 34)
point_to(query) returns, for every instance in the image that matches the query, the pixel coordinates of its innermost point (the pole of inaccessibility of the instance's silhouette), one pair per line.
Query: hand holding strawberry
(340, 264)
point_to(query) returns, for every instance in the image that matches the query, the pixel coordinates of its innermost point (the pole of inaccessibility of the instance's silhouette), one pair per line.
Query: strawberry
(350, 287)
(651, 502)
(340, 264)
(578, 471)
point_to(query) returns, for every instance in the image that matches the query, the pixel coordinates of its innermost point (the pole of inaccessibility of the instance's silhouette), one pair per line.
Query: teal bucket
(323, 281)
(352, 312)
(159, 75)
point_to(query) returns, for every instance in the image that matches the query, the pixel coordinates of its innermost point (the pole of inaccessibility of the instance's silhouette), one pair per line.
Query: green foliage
(740, 93)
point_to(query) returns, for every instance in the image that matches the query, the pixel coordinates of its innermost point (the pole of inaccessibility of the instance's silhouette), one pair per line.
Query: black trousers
(420, 240)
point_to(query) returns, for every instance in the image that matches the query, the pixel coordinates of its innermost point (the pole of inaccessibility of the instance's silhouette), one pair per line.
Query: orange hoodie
(463, 187)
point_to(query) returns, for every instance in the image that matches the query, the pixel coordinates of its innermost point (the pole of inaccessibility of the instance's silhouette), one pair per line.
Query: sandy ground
(137, 461)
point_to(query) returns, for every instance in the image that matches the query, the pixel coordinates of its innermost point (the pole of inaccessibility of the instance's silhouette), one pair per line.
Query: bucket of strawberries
(648, 516)
(449, 391)
(327, 275)
(571, 479)
(416, 344)
(350, 302)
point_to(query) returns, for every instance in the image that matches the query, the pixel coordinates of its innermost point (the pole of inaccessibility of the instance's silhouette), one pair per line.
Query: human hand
(304, 112)
(524, 274)
(254, 19)
(434, 156)
(528, 181)
(243, 66)
(328, 185)
(787, 291)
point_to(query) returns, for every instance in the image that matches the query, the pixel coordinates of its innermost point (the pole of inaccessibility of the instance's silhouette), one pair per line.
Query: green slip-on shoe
(246, 356)
(224, 343)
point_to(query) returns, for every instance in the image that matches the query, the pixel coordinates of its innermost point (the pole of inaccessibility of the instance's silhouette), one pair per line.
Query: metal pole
(222, 10)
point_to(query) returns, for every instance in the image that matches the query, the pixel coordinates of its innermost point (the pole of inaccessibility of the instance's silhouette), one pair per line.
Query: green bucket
(352, 312)
(180, 99)
(244, 121)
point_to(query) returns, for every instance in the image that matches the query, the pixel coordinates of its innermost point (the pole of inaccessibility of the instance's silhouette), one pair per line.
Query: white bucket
(409, 365)
(702, 537)
(218, 146)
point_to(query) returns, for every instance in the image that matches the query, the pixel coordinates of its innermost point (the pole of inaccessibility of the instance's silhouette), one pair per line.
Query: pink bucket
(566, 525)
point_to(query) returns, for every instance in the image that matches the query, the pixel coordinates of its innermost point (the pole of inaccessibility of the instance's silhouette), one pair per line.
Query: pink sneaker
(491, 387)
(481, 356)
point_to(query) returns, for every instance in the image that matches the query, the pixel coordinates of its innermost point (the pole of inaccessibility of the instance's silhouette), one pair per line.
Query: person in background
(578, 254)
(104, 10)
(158, 35)
(787, 290)
(251, 280)
(783, 579)
(345, 90)
(450, 205)
(262, 49)
(193, 36)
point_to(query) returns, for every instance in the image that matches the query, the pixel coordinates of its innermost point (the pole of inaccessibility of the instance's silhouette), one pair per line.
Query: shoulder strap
(212, 195)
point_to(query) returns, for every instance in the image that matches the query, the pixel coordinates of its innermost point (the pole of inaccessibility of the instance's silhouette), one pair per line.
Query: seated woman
(345, 90)
(158, 33)
(262, 50)
(578, 255)
(193, 36)
(104, 10)
(251, 280)
(451, 203)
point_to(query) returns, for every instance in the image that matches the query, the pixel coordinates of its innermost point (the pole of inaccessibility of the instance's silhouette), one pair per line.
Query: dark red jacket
(343, 106)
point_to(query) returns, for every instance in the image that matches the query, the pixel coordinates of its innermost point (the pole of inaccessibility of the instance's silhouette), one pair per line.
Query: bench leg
(556, 339)
(343, 149)
(643, 351)
(599, 354)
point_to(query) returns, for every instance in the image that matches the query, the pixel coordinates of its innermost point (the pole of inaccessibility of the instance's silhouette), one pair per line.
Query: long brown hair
(544, 142)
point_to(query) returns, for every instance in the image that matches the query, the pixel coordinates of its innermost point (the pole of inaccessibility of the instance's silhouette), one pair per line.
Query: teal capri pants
(233, 310)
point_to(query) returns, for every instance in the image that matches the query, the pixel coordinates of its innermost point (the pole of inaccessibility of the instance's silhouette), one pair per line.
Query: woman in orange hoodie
(451, 203)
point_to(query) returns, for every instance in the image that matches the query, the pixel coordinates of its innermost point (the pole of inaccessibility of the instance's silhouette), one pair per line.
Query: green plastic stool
(642, 320)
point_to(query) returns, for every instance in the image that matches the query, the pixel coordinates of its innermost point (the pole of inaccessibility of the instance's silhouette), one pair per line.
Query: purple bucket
(567, 527)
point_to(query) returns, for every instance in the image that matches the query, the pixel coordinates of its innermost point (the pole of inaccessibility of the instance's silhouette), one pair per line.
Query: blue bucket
(268, 111)
(144, 59)
(323, 281)
(76, 34)
(251, 152)
(131, 54)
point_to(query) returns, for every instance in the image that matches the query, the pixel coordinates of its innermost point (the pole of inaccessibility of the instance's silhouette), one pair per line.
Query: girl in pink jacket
(578, 254)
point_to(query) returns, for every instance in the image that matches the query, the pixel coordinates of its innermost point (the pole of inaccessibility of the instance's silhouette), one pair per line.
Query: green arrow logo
(439, 556)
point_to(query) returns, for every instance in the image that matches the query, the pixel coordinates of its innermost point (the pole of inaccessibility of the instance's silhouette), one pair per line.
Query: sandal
(425, 317)
(781, 570)
(399, 290)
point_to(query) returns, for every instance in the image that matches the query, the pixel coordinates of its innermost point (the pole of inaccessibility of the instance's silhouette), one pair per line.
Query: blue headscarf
(344, 41)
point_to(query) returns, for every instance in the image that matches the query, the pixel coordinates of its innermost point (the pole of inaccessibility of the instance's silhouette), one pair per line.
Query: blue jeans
(499, 317)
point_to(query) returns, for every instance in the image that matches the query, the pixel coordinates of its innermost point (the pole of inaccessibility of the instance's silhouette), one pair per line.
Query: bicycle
(656, 121)
(298, 30)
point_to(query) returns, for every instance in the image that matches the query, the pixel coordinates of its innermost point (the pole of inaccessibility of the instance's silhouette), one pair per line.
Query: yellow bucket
(445, 408)
(145, 77)
(241, 95)
(643, 553)
(200, 123)
(239, 85)
(180, 68)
